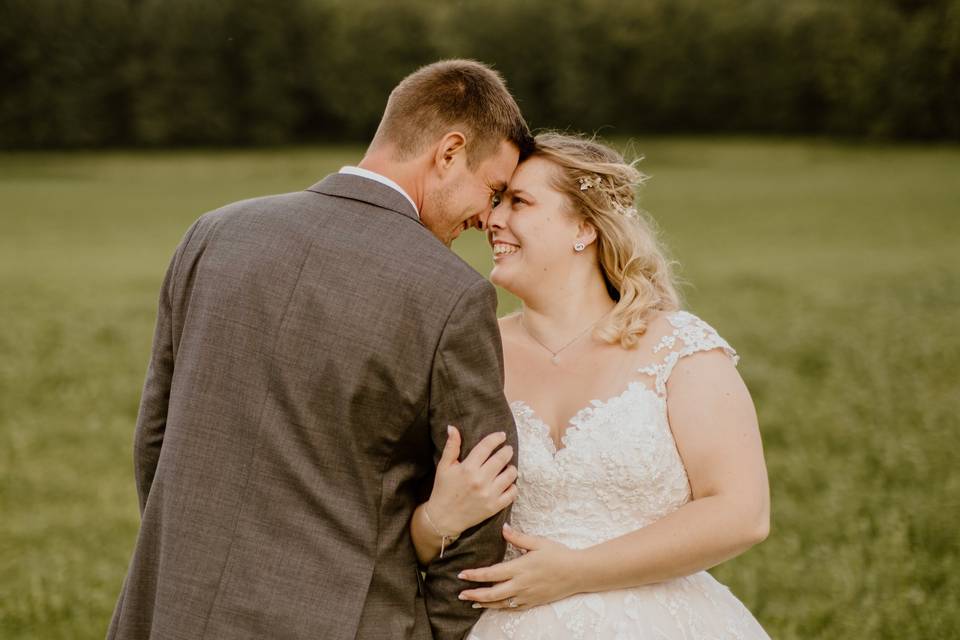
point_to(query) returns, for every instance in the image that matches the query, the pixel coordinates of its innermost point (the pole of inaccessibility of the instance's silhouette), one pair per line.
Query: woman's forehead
(532, 175)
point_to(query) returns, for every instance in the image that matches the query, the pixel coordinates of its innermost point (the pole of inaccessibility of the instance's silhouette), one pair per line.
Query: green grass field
(834, 270)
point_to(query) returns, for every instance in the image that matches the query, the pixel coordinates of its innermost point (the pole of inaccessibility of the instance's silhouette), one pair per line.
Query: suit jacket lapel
(344, 185)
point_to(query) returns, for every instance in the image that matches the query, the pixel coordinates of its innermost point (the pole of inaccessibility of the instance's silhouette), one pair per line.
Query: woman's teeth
(504, 249)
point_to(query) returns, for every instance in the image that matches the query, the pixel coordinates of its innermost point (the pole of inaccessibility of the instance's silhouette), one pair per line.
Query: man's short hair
(450, 95)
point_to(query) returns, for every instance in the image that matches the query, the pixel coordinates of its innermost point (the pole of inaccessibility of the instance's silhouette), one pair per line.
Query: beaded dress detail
(618, 471)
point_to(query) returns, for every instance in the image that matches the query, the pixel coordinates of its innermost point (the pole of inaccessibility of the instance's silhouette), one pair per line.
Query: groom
(310, 350)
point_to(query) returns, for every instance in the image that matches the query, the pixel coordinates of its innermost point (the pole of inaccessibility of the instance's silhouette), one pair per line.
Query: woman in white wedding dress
(640, 461)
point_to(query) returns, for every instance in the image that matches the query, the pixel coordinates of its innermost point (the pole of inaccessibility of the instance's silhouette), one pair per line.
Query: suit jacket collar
(345, 185)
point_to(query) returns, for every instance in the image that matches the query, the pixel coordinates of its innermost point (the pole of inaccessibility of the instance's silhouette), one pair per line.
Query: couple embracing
(338, 439)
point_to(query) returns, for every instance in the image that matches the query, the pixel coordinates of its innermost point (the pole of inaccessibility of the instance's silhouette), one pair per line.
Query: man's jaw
(473, 222)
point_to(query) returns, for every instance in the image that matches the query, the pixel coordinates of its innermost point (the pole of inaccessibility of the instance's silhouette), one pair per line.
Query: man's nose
(483, 218)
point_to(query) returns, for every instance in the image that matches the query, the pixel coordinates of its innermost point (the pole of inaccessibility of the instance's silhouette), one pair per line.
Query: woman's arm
(715, 427)
(464, 493)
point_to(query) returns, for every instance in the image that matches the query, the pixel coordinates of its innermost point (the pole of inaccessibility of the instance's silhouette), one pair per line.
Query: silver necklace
(555, 355)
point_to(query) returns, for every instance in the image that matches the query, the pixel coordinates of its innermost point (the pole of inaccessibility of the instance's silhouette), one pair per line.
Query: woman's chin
(500, 276)
(506, 279)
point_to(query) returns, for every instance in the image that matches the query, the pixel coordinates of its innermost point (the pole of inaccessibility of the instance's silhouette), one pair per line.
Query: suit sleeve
(152, 416)
(467, 391)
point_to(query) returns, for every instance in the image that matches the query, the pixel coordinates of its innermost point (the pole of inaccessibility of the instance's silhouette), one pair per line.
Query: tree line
(94, 73)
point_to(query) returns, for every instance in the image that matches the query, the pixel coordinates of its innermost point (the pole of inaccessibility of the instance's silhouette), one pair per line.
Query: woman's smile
(503, 249)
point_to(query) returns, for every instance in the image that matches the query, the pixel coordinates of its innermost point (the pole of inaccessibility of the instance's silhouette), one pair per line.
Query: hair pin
(629, 212)
(589, 181)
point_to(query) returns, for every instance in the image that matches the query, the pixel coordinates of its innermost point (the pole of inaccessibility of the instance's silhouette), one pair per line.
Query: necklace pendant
(555, 359)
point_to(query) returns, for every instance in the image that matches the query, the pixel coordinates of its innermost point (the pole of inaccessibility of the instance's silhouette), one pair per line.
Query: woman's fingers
(507, 498)
(495, 463)
(499, 604)
(484, 448)
(501, 591)
(500, 572)
(506, 478)
(451, 450)
(521, 540)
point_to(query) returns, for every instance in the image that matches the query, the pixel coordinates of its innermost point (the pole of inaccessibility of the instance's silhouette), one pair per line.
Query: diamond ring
(512, 603)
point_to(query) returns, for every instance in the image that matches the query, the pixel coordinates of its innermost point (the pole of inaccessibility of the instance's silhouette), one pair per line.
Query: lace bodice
(618, 469)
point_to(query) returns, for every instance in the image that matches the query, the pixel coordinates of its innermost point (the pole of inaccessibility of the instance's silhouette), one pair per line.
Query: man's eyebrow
(499, 187)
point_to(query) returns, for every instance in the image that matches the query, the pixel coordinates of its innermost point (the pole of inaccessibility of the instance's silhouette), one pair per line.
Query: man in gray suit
(310, 350)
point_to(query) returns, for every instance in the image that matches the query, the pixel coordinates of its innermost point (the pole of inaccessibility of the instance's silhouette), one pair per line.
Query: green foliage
(831, 269)
(224, 72)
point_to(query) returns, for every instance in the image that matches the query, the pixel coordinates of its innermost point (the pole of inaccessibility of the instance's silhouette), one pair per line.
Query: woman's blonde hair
(601, 188)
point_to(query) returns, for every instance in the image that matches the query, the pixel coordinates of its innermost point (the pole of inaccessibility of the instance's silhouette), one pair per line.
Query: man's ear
(586, 233)
(452, 146)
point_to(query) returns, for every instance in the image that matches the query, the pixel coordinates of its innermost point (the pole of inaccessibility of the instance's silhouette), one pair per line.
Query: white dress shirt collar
(373, 175)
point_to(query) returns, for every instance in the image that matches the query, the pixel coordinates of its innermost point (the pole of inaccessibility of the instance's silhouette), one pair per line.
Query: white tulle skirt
(695, 607)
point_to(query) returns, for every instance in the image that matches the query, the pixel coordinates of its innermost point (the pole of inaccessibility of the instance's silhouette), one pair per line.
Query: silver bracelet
(444, 538)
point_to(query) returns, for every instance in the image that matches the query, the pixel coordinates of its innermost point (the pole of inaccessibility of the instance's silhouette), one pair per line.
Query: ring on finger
(512, 603)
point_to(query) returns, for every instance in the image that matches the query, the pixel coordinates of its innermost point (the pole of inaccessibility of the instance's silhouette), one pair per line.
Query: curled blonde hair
(600, 187)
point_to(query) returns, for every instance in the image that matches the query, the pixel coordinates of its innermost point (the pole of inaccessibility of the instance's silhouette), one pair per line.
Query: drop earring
(579, 247)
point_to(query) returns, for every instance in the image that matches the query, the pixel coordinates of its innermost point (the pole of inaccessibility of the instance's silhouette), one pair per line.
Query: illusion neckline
(580, 419)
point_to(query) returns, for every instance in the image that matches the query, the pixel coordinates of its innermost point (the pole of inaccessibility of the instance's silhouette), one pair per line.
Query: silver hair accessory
(629, 212)
(589, 181)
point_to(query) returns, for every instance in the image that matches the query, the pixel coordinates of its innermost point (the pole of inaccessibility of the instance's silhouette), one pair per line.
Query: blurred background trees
(93, 73)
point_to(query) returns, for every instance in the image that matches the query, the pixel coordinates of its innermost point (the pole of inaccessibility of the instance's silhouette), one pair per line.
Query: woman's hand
(546, 572)
(467, 493)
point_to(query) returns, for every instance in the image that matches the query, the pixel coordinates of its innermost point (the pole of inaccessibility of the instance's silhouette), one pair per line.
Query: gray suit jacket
(310, 350)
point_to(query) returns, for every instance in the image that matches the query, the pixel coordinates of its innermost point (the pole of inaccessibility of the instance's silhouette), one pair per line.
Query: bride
(640, 461)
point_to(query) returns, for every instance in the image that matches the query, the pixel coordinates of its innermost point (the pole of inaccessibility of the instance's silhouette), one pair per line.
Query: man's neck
(400, 172)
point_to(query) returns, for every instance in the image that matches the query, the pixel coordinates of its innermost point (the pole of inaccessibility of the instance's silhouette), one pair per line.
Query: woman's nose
(496, 218)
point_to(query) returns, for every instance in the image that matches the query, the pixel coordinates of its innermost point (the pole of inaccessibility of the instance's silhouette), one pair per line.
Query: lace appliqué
(694, 335)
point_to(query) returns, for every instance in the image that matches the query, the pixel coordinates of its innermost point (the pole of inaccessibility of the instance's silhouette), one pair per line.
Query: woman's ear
(452, 145)
(586, 233)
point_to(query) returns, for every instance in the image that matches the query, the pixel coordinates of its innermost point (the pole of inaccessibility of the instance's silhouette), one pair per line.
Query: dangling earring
(579, 247)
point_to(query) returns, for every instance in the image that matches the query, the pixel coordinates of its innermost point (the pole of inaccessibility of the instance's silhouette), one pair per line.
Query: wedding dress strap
(689, 335)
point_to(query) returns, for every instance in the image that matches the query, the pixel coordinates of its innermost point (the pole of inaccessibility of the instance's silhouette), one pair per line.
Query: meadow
(834, 270)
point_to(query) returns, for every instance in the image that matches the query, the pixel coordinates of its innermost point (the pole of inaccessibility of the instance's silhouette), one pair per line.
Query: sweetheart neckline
(576, 421)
